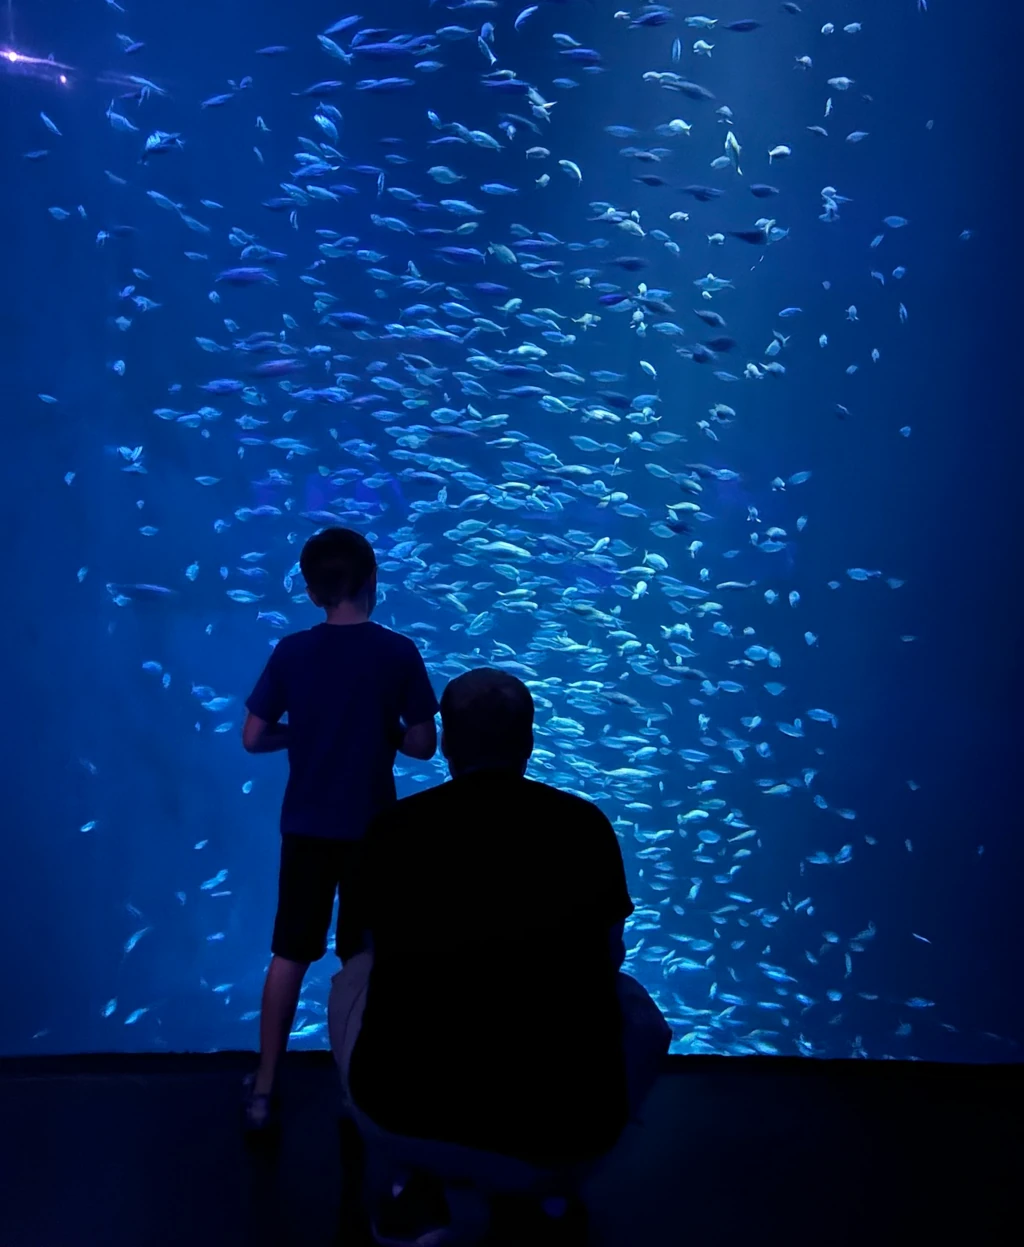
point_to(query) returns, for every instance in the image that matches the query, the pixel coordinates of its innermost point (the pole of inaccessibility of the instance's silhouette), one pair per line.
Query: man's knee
(646, 1038)
(639, 1010)
(348, 941)
(345, 1009)
(357, 966)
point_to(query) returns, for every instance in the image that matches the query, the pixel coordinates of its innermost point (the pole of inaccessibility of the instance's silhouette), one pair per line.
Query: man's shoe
(418, 1216)
(552, 1222)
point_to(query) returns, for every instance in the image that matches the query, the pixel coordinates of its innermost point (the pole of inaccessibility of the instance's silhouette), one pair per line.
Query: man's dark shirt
(492, 1018)
(347, 689)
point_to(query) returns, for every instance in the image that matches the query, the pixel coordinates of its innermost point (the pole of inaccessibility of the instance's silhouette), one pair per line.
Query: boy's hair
(337, 565)
(487, 717)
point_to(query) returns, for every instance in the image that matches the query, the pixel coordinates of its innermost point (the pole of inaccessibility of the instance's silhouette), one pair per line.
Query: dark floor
(146, 1151)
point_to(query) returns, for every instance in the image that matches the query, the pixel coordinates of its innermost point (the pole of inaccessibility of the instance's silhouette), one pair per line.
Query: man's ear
(312, 597)
(444, 746)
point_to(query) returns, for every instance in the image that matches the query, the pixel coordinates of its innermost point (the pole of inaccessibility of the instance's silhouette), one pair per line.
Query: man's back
(345, 689)
(492, 1018)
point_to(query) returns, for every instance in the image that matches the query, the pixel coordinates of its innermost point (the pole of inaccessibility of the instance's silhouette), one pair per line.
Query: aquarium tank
(665, 357)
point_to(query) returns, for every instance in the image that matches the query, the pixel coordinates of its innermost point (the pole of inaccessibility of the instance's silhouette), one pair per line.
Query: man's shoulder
(570, 804)
(416, 803)
(410, 812)
(429, 807)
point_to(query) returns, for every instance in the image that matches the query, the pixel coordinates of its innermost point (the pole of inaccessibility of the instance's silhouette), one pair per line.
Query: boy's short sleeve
(268, 700)
(419, 704)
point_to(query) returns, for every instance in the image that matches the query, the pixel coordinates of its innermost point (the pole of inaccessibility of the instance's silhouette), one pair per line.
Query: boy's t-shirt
(347, 689)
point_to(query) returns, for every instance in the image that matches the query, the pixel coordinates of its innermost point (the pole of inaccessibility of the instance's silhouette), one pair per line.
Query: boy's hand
(259, 736)
(420, 741)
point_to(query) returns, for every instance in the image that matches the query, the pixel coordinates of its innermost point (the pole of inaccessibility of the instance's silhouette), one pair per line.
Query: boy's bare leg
(277, 1016)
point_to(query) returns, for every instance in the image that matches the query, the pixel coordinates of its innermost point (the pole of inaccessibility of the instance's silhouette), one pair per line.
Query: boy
(354, 693)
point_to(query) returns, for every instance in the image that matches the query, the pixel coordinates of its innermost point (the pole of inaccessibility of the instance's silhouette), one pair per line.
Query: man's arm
(259, 736)
(617, 945)
(364, 903)
(609, 883)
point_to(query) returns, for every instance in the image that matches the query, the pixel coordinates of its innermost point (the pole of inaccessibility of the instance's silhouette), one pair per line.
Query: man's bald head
(487, 717)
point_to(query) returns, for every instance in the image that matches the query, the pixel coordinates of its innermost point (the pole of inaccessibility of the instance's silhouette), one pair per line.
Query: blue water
(141, 843)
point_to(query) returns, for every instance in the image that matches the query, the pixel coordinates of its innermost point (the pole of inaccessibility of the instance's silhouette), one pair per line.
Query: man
(495, 1016)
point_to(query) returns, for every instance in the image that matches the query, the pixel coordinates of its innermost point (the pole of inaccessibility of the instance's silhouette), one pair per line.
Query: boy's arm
(259, 736)
(263, 731)
(417, 733)
(419, 741)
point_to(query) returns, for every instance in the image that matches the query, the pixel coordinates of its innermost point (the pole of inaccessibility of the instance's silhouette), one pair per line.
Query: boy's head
(487, 721)
(339, 566)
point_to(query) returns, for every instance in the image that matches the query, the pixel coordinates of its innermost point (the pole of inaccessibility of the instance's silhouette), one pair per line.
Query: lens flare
(45, 69)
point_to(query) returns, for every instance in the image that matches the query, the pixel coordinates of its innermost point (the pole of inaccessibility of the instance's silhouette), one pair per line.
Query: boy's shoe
(418, 1216)
(259, 1112)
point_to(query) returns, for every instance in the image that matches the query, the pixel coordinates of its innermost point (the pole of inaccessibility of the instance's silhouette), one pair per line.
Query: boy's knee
(286, 965)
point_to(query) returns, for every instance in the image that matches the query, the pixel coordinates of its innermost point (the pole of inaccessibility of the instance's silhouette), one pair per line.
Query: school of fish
(393, 350)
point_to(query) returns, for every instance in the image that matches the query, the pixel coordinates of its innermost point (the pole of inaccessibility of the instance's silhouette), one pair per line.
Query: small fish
(251, 275)
(326, 87)
(521, 459)
(133, 940)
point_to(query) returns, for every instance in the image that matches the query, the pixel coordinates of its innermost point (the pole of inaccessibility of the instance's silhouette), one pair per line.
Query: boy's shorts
(312, 870)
